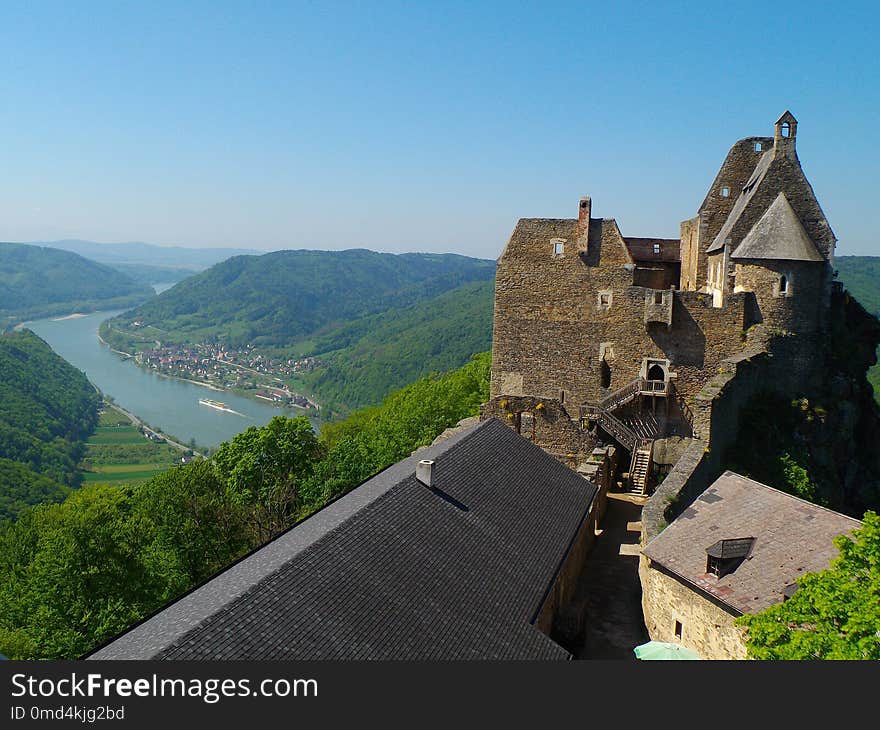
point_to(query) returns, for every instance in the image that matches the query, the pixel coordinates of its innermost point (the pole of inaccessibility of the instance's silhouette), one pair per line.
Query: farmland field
(119, 453)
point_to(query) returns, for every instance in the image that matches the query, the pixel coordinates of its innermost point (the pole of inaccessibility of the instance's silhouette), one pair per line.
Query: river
(168, 404)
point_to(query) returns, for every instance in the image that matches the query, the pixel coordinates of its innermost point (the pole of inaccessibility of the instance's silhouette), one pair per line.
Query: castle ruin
(601, 337)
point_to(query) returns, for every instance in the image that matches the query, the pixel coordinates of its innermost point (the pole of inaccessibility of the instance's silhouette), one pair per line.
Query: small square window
(758, 147)
(604, 300)
(725, 192)
(558, 245)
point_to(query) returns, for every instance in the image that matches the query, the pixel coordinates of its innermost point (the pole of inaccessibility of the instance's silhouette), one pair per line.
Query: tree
(265, 467)
(834, 614)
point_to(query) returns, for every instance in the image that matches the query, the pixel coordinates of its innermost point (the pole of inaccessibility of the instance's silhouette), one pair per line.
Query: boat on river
(219, 405)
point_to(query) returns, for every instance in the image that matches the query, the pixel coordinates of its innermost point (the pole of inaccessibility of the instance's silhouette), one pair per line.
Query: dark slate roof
(791, 538)
(394, 570)
(642, 249)
(779, 235)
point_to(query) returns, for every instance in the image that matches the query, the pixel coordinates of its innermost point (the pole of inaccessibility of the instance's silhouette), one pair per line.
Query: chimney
(583, 227)
(425, 472)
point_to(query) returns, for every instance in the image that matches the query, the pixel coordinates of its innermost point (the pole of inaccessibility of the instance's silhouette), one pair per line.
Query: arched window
(783, 285)
(605, 374)
(785, 130)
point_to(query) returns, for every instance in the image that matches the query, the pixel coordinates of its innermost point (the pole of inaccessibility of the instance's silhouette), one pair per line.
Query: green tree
(264, 469)
(834, 614)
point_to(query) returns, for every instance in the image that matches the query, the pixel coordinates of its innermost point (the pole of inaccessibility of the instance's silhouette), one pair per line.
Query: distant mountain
(861, 276)
(47, 409)
(376, 321)
(146, 274)
(37, 281)
(173, 257)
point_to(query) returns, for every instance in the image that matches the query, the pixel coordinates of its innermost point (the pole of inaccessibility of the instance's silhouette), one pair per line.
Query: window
(656, 249)
(757, 146)
(605, 299)
(658, 297)
(786, 129)
(558, 248)
(679, 629)
(783, 286)
(725, 192)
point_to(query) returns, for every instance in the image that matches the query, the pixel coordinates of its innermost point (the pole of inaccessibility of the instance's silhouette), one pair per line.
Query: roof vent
(425, 472)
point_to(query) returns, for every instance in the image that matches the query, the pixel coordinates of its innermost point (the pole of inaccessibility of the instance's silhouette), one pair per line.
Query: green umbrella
(663, 650)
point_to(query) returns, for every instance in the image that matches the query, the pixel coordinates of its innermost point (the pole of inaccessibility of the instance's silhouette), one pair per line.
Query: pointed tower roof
(778, 234)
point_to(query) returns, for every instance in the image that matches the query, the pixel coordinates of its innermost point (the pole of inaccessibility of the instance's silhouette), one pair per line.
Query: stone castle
(601, 337)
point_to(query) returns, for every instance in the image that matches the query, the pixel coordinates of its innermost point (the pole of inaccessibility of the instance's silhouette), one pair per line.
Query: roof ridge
(788, 494)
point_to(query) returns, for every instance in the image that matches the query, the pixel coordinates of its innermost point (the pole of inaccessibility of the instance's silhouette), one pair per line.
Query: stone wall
(558, 317)
(546, 422)
(706, 626)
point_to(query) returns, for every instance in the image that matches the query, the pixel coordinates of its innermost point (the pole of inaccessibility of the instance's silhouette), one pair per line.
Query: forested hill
(375, 321)
(37, 281)
(47, 409)
(861, 276)
(284, 296)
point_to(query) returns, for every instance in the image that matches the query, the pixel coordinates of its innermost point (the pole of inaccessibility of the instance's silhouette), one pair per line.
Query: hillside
(861, 276)
(38, 282)
(373, 321)
(47, 409)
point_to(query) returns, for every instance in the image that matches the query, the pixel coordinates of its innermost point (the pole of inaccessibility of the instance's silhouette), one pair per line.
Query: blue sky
(417, 126)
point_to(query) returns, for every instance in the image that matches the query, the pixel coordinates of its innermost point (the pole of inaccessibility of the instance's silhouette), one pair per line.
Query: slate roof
(394, 570)
(742, 202)
(792, 538)
(642, 249)
(778, 234)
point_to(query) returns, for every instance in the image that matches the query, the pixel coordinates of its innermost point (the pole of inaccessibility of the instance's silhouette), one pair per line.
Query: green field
(118, 453)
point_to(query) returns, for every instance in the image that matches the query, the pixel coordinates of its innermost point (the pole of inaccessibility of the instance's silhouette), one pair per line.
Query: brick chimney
(583, 227)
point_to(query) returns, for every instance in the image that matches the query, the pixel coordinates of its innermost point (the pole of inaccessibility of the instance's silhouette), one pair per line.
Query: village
(246, 370)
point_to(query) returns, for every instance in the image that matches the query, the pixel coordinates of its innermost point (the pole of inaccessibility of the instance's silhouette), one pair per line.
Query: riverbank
(138, 423)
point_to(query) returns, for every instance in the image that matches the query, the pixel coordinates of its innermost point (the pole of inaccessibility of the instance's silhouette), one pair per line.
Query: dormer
(725, 556)
(784, 136)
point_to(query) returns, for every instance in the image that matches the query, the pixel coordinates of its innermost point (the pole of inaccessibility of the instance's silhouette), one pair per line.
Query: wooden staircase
(635, 436)
(640, 468)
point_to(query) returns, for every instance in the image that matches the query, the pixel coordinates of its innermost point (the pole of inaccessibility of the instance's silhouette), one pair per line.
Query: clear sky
(420, 126)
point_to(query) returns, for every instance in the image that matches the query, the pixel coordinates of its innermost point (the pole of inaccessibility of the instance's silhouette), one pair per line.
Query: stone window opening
(725, 192)
(757, 147)
(558, 247)
(605, 299)
(605, 374)
(785, 129)
(784, 286)
(678, 630)
(658, 297)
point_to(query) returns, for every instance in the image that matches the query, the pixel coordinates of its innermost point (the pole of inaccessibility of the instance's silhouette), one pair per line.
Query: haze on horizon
(401, 128)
